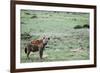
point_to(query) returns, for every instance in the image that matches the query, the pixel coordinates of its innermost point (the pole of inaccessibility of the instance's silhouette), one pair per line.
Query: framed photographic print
(52, 36)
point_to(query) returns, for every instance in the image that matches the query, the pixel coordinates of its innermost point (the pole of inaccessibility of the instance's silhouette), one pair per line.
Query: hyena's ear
(48, 38)
(44, 37)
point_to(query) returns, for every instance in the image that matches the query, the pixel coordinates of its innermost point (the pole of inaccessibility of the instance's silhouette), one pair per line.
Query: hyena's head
(45, 40)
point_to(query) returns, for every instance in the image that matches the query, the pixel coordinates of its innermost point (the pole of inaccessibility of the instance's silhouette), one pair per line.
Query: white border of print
(53, 64)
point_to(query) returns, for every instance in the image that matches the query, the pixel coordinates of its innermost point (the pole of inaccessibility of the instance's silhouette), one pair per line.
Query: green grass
(59, 26)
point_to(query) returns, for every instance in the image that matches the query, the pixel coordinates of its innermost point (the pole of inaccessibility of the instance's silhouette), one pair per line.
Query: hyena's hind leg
(27, 51)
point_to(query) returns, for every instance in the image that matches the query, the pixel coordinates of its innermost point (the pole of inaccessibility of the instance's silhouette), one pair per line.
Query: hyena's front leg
(41, 53)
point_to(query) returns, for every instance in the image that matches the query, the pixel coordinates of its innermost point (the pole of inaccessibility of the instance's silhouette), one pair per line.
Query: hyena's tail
(25, 50)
